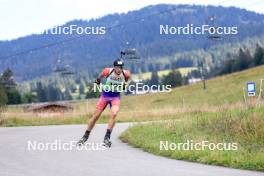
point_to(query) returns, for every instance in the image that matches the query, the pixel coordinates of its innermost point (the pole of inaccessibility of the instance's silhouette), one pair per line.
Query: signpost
(251, 89)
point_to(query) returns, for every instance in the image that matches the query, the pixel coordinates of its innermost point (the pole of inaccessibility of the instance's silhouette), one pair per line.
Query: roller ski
(82, 141)
(107, 143)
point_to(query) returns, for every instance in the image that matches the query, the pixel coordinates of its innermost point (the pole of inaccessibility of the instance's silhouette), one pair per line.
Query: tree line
(241, 61)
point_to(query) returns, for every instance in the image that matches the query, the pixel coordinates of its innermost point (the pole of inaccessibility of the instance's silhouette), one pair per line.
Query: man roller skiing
(114, 81)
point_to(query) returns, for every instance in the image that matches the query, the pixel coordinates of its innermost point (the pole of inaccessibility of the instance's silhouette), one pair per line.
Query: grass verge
(42, 121)
(243, 127)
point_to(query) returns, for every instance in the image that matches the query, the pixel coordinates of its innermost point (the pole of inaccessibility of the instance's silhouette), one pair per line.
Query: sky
(23, 17)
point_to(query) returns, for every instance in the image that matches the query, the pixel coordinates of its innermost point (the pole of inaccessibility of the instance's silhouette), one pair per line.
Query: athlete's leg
(115, 103)
(112, 120)
(91, 122)
(93, 119)
(100, 106)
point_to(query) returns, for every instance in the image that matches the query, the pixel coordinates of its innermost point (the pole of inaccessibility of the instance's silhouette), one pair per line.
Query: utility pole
(203, 76)
(202, 71)
(210, 37)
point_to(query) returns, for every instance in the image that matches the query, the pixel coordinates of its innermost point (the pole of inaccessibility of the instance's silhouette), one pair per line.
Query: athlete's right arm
(103, 74)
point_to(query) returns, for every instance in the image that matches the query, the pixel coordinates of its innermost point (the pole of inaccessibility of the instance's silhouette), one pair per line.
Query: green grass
(244, 127)
(221, 90)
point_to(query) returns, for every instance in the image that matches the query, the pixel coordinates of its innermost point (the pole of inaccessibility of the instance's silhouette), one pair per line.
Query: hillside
(221, 91)
(90, 53)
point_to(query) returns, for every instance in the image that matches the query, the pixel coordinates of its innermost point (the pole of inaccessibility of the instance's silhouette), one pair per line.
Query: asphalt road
(16, 159)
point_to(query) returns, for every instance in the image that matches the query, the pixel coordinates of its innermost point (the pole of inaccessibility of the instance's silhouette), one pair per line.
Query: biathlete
(113, 81)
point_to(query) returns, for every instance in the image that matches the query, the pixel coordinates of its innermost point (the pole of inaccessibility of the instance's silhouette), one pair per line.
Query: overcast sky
(23, 17)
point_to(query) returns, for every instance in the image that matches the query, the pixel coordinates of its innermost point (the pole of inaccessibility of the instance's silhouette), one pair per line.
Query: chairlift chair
(130, 53)
(8, 83)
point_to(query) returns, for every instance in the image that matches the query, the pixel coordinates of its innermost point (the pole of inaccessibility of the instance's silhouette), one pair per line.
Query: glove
(97, 81)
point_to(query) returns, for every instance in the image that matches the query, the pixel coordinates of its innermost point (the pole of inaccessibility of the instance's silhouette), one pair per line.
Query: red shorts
(104, 101)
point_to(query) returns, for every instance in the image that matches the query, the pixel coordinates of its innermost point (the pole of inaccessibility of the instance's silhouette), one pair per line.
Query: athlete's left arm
(127, 75)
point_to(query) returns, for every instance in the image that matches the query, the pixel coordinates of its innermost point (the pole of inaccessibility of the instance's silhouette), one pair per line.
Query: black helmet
(118, 63)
